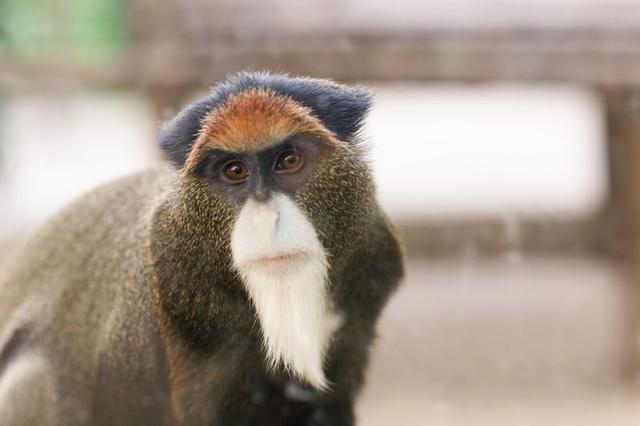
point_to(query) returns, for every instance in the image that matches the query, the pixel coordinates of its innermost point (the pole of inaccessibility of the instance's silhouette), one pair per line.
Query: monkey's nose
(261, 192)
(265, 215)
(263, 195)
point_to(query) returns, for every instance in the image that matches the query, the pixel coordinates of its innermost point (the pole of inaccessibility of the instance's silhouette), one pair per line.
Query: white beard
(289, 288)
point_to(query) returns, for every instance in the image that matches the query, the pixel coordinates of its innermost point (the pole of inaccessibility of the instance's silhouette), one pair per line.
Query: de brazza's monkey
(241, 286)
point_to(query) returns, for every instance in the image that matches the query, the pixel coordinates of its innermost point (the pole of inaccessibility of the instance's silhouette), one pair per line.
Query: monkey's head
(274, 195)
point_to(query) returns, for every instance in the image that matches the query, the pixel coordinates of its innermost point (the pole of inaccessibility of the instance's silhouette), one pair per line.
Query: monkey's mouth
(281, 259)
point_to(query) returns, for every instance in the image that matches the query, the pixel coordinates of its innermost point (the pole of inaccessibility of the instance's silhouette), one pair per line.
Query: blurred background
(506, 142)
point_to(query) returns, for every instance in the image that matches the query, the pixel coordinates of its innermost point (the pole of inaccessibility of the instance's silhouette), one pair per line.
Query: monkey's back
(62, 301)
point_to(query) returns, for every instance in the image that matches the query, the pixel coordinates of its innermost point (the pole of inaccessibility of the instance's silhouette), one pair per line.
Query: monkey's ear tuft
(178, 135)
(342, 109)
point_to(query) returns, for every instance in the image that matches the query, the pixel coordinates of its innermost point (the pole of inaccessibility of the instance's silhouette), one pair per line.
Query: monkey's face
(300, 199)
(270, 232)
(300, 183)
(282, 171)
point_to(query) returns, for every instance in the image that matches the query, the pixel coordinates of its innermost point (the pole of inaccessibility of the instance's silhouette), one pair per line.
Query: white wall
(57, 146)
(488, 150)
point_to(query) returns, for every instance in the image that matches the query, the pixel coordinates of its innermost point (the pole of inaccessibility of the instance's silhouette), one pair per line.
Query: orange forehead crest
(253, 120)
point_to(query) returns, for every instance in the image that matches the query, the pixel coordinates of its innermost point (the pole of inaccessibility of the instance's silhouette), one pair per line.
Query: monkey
(237, 284)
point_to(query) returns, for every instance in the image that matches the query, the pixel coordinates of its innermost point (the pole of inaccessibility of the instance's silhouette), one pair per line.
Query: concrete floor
(511, 341)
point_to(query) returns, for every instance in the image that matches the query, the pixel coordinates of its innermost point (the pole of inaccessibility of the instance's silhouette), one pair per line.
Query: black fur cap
(340, 108)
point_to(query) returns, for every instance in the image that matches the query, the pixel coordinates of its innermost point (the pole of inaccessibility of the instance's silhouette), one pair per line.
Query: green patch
(53, 32)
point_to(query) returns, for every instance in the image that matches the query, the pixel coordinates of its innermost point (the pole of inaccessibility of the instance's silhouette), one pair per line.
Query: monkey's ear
(342, 109)
(178, 135)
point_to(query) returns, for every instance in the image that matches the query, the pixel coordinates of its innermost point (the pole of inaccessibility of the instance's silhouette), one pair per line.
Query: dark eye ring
(288, 161)
(234, 171)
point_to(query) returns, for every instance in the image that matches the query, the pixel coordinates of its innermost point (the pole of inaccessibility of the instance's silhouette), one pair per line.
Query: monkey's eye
(235, 171)
(288, 161)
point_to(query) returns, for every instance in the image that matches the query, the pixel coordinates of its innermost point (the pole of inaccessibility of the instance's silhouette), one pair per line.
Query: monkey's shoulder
(89, 223)
(95, 244)
(384, 250)
(76, 291)
(373, 272)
